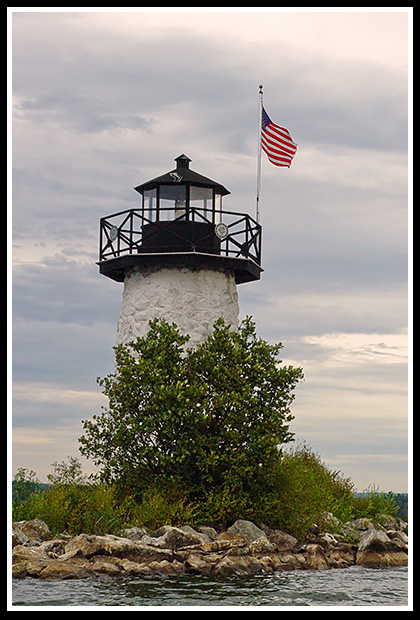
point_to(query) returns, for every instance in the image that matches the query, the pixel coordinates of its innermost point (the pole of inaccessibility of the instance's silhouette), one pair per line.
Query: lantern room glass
(201, 198)
(149, 204)
(172, 202)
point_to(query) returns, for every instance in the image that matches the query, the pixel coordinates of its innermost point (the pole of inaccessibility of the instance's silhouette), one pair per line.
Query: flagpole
(259, 155)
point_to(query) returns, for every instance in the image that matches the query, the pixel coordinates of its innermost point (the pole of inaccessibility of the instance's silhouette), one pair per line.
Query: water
(355, 586)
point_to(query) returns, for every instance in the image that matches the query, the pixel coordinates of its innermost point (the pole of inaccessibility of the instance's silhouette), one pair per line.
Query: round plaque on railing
(221, 230)
(113, 233)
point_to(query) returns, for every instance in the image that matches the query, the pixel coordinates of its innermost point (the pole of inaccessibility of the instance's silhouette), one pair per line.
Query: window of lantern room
(150, 204)
(201, 198)
(172, 202)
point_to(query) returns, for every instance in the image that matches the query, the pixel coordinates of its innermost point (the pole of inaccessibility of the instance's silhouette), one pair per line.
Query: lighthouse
(180, 255)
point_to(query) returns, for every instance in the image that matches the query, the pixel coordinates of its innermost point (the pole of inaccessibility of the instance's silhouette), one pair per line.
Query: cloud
(348, 348)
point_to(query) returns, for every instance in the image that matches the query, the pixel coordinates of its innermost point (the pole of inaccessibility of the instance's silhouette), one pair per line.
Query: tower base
(192, 298)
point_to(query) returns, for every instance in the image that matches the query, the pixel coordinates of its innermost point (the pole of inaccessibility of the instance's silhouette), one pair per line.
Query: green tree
(67, 473)
(205, 418)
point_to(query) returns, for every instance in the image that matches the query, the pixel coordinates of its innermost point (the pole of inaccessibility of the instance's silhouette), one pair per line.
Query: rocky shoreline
(243, 549)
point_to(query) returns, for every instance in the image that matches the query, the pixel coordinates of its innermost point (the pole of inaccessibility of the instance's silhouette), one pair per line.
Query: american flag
(276, 142)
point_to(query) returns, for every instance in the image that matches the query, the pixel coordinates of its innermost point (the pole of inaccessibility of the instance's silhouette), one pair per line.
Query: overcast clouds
(104, 101)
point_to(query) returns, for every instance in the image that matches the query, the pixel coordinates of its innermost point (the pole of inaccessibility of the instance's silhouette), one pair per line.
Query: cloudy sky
(103, 101)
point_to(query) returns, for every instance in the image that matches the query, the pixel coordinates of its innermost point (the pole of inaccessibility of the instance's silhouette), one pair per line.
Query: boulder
(261, 546)
(341, 555)
(54, 548)
(135, 568)
(85, 545)
(29, 532)
(282, 541)
(63, 570)
(238, 565)
(18, 537)
(170, 569)
(215, 546)
(377, 550)
(288, 561)
(247, 529)
(135, 533)
(227, 536)
(168, 537)
(197, 565)
(362, 524)
(89, 545)
(210, 532)
(399, 538)
(32, 560)
(315, 557)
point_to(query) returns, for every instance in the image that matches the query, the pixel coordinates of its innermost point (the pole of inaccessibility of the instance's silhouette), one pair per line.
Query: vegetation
(307, 489)
(195, 436)
(208, 420)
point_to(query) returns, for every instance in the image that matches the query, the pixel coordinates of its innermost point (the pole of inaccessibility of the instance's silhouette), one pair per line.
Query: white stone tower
(180, 255)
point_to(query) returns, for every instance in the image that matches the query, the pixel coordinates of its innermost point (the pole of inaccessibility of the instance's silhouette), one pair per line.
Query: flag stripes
(276, 142)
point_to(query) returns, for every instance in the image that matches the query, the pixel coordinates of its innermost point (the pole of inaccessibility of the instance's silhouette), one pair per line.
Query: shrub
(372, 504)
(305, 489)
(198, 419)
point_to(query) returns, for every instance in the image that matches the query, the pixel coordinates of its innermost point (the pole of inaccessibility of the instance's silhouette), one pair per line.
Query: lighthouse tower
(180, 255)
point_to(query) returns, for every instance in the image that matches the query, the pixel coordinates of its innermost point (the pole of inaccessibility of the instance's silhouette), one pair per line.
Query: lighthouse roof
(182, 174)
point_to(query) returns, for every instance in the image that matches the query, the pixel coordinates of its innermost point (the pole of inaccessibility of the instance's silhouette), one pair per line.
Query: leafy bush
(71, 504)
(200, 419)
(306, 489)
(372, 503)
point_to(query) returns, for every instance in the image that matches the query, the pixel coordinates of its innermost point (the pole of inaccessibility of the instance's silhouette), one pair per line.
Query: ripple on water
(355, 586)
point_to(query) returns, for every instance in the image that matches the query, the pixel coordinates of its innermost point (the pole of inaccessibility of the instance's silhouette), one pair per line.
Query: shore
(242, 549)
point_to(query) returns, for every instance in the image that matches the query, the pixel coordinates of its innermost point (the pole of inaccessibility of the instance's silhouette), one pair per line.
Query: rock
(224, 536)
(238, 565)
(135, 533)
(388, 522)
(315, 557)
(36, 530)
(210, 532)
(170, 569)
(54, 548)
(18, 571)
(377, 550)
(261, 546)
(201, 536)
(135, 568)
(282, 541)
(18, 537)
(197, 565)
(399, 538)
(341, 555)
(244, 549)
(362, 524)
(31, 559)
(287, 561)
(168, 537)
(63, 570)
(223, 545)
(29, 532)
(106, 565)
(247, 529)
(86, 545)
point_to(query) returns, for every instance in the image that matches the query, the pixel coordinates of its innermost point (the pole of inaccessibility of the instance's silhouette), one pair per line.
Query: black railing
(124, 232)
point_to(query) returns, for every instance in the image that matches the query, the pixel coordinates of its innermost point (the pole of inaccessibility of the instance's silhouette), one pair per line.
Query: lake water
(355, 586)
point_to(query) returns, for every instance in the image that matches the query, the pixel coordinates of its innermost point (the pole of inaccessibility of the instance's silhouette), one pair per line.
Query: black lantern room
(181, 222)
